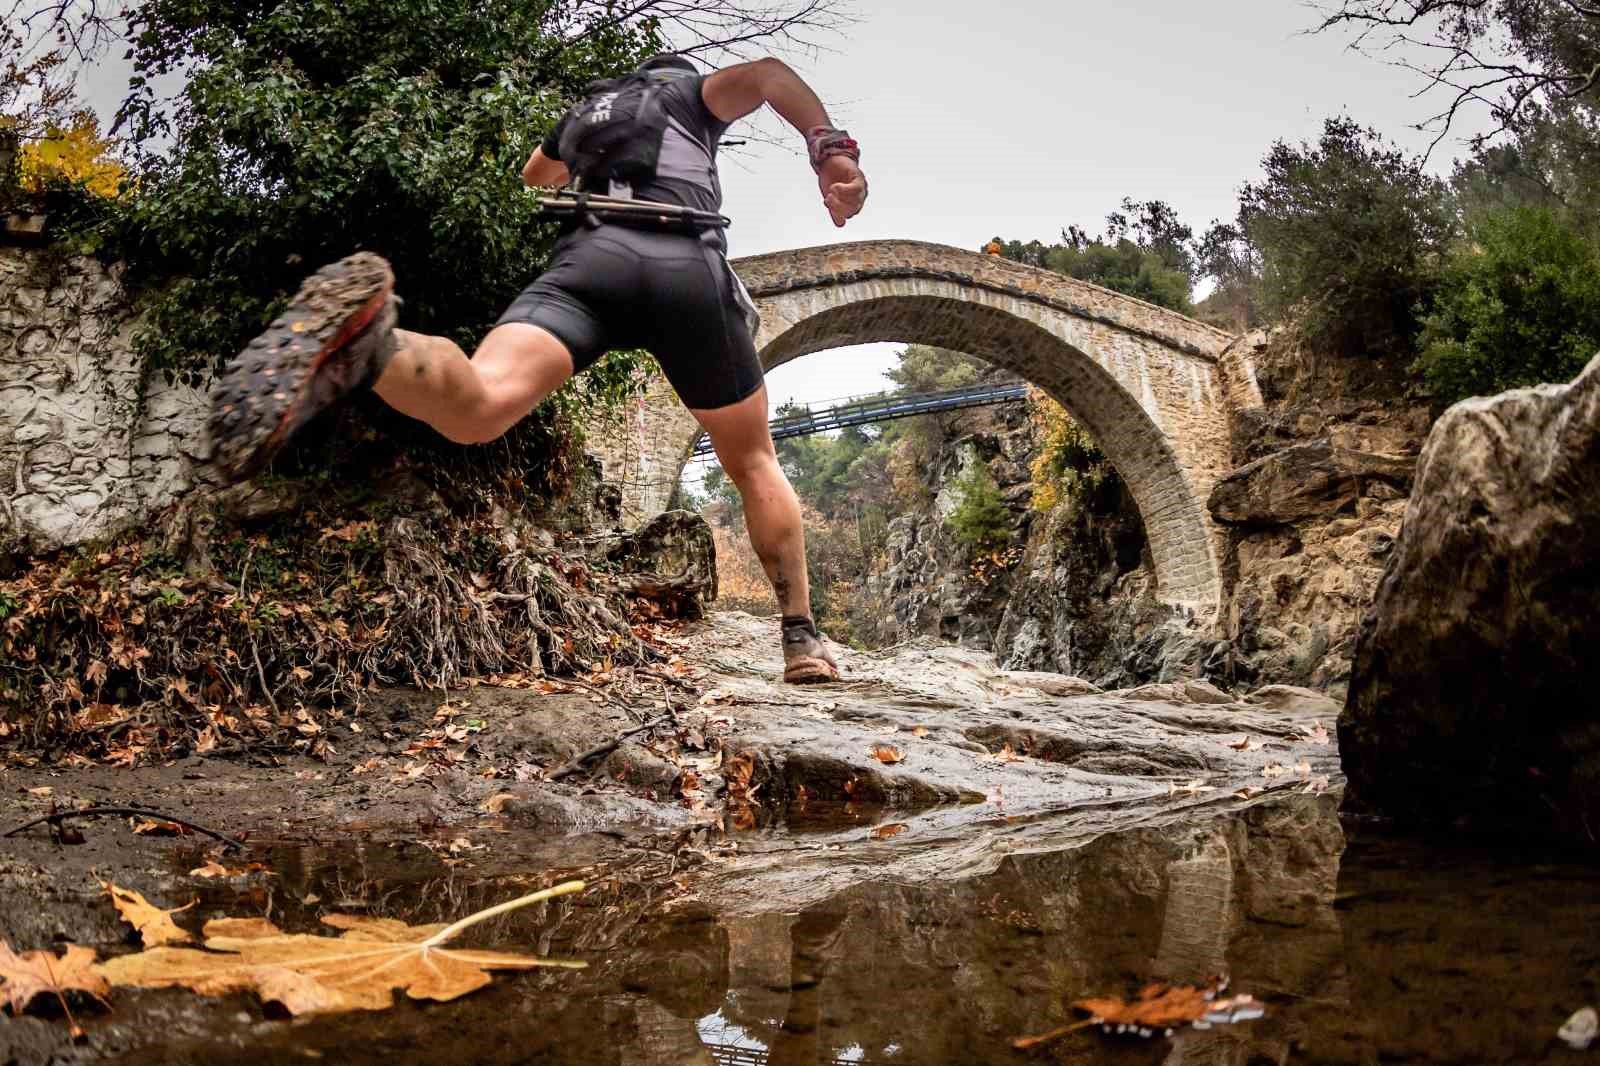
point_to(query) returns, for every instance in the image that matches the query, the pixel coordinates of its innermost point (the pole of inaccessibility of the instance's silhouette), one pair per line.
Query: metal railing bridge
(886, 408)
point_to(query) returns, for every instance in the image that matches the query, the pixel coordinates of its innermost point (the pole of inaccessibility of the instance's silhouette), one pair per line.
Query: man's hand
(844, 188)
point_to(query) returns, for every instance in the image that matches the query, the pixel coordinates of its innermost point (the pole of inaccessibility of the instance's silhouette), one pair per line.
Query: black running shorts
(671, 294)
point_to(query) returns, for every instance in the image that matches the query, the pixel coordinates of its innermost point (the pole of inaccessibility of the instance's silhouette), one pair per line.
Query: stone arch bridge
(1154, 387)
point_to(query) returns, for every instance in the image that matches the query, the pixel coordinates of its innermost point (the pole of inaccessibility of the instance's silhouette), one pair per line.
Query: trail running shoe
(337, 335)
(806, 660)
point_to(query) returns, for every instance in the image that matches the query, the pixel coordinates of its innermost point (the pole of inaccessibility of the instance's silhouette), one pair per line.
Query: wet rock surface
(1471, 694)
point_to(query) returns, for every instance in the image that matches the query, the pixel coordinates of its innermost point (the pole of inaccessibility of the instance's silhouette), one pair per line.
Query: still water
(1363, 947)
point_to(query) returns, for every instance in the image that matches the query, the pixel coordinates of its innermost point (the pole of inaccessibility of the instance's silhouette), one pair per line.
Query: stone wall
(643, 448)
(86, 448)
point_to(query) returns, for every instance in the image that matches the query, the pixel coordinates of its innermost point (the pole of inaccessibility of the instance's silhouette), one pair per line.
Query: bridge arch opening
(1174, 518)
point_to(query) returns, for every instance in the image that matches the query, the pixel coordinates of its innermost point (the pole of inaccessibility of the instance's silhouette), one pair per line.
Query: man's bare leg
(743, 442)
(472, 401)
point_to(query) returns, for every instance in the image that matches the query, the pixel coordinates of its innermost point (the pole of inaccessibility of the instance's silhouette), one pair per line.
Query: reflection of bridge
(735, 1055)
(880, 409)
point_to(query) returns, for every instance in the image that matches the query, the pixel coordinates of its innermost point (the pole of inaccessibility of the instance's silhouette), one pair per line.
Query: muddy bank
(751, 802)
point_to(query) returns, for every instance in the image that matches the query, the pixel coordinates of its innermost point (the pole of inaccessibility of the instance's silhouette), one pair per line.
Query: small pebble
(1581, 1029)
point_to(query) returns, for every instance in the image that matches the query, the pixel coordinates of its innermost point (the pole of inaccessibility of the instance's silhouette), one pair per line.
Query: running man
(613, 282)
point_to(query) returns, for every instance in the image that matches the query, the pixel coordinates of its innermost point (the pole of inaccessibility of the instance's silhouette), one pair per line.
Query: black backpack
(615, 134)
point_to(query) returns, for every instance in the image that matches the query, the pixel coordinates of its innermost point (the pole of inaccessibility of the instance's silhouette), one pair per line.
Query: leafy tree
(1146, 252)
(1349, 231)
(980, 521)
(1550, 161)
(307, 130)
(1519, 303)
(76, 155)
(1511, 56)
(1069, 464)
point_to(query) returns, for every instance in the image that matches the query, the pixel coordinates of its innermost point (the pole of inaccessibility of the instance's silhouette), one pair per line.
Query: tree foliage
(74, 154)
(1349, 231)
(981, 521)
(1146, 251)
(1518, 304)
(307, 130)
(1509, 56)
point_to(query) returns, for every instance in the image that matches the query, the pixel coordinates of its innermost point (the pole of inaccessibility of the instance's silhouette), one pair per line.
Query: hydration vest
(621, 136)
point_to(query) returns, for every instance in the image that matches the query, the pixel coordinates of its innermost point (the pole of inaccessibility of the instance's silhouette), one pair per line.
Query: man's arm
(542, 172)
(732, 93)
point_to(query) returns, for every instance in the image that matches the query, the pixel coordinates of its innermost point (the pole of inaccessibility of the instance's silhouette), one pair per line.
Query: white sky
(1020, 117)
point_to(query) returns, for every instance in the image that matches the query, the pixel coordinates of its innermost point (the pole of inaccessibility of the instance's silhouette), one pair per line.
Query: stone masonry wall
(85, 448)
(642, 450)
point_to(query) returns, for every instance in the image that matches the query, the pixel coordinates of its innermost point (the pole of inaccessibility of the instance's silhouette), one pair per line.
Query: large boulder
(1473, 691)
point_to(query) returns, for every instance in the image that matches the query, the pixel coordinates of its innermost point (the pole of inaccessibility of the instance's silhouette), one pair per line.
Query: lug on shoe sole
(263, 396)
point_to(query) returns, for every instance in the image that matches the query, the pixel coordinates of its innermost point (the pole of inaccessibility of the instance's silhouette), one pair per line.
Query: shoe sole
(260, 399)
(809, 672)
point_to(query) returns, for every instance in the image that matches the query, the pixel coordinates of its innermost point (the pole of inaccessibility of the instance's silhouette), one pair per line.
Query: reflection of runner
(798, 1041)
(613, 283)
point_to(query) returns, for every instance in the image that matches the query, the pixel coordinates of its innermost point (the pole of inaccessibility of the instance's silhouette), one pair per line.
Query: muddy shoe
(336, 336)
(805, 657)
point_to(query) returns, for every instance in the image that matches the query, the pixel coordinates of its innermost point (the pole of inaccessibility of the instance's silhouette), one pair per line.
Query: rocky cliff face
(1071, 591)
(1324, 466)
(1313, 510)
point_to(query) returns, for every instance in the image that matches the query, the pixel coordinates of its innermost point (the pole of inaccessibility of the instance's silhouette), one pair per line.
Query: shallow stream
(1363, 948)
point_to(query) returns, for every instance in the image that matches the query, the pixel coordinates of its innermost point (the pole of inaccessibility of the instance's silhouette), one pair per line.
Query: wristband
(825, 142)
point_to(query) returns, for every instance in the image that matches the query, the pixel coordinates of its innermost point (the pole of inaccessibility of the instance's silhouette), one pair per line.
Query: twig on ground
(610, 746)
(135, 812)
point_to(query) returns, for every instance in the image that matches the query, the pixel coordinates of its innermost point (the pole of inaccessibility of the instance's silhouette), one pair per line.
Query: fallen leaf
(1157, 1007)
(359, 970)
(499, 801)
(887, 754)
(42, 791)
(1316, 785)
(154, 925)
(1272, 770)
(1005, 754)
(1303, 767)
(1246, 745)
(889, 832)
(212, 868)
(1318, 733)
(45, 973)
(147, 827)
(920, 731)
(1248, 792)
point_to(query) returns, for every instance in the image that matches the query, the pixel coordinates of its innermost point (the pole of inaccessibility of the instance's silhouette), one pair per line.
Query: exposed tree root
(281, 621)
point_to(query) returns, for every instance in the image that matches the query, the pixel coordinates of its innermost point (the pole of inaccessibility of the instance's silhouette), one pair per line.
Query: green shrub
(1518, 304)
(980, 521)
(1349, 232)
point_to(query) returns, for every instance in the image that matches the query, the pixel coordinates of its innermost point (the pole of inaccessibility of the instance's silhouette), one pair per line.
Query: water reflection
(1427, 956)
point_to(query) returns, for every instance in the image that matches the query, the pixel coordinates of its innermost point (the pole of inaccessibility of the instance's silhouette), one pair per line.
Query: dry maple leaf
(45, 973)
(315, 975)
(153, 924)
(889, 832)
(1157, 1006)
(887, 754)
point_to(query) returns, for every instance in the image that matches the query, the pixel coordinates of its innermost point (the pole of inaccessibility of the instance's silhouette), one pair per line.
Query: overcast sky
(1020, 117)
